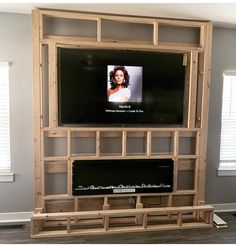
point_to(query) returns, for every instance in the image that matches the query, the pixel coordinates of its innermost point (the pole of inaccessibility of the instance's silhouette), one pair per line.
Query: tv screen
(120, 87)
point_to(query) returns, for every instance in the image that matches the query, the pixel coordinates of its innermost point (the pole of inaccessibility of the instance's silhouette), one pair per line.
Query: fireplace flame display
(91, 177)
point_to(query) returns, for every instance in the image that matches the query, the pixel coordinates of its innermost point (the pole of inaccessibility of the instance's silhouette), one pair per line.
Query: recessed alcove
(114, 30)
(179, 34)
(83, 144)
(111, 143)
(55, 146)
(163, 143)
(187, 145)
(136, 143)
(186, 180)
(56, 26)
(55, 183)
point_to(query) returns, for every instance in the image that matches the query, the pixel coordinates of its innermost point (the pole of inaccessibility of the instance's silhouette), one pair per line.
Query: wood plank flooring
(189, 236)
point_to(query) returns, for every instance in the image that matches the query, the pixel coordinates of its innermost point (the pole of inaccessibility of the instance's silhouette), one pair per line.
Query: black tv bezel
(128, 125)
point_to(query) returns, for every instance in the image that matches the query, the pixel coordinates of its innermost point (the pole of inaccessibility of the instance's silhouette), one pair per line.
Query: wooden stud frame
(195, 125)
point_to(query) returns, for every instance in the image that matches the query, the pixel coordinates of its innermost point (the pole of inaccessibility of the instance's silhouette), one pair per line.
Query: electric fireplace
(93, 177)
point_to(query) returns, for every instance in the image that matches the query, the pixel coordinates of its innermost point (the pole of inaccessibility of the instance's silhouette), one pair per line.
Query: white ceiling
(221, 14)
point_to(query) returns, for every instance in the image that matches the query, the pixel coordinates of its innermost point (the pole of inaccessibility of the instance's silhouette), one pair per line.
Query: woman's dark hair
(112, 77)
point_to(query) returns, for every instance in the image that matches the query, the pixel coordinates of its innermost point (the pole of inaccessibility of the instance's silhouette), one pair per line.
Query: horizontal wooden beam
(121, 212)
(120, 129)
(90, 42)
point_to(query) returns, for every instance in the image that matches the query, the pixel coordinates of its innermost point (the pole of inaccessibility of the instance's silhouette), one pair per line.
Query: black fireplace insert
(94, 177)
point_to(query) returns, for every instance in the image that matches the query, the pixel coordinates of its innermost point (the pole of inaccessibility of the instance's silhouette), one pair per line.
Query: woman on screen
(119, 81)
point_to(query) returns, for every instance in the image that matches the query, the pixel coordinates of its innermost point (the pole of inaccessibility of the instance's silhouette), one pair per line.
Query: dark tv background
(82, 87)
(126, 172)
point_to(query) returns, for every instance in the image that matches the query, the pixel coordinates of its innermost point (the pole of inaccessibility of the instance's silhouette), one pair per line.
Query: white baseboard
(224, 207)
(15, 217)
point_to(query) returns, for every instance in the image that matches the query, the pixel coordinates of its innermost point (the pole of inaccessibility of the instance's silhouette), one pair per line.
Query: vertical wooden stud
(106, 204)
(176, 153)
(43, 184)
(211, 217)
(69, 163)
(196, 172)
(76, 204)
(76, 208)
(32, 227)
(145, 220)
(179, 218)
(124, 141)
(97, 143)
(41, 86)
(200, 90)
(53, 104)
(139, 204)
(186, 90)
(149, 143)
(198, 135)
(99, 30)
(196, 167)
(37, 226)
(106, 223)
(68, 225)
(204, 115)
(195, 197)
(170, 204)
(42, 150)
(44, 85)
(68, 144)
(69, 177)
(40, 16)
(199, 213)
(192, 89)
(176, 144)
(202, 36)
(41, 26)
(36, 110)
(155, 33)
(206, 216)
(175, 181)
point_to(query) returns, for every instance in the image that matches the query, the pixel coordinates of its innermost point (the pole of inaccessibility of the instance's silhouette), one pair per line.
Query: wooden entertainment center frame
(59, 213)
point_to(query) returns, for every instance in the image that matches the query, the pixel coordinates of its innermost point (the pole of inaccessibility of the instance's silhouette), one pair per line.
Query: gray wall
(219, 189)
(15, 47)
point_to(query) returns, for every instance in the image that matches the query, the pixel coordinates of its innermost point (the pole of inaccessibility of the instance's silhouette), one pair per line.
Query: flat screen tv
(120, 87)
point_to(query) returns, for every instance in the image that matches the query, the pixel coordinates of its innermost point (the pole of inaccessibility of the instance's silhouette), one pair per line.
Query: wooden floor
(191, 236)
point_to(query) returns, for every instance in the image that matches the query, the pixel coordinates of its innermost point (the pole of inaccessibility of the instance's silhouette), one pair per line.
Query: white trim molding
(225, 172)
(15, 217)
(5, 148)
(224, 207)
(6, 176)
